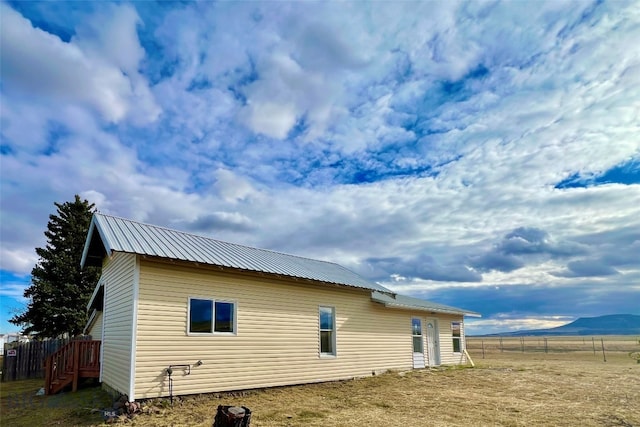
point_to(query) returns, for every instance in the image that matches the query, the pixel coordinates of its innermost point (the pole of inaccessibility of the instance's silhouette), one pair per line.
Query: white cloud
(40, 65)
(270, 118)
(96, 198)
(232, 187)
(284, 94)
(273, 117)
(17, 260)
(25, 124)
(14, 290)
(113, 34)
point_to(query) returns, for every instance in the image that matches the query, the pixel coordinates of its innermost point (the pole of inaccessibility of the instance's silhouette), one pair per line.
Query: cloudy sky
(479, 154)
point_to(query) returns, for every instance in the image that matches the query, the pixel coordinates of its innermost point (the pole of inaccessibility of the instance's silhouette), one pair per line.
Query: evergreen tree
(60, 289)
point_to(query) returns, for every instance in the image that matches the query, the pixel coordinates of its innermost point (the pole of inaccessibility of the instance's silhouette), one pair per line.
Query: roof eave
(87, 242)
(96, 290)
(433, 309)
(95, 225)
(92, 319)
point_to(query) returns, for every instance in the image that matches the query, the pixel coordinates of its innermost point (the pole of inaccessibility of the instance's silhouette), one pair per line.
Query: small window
(327, 331)
(200, 315)
(208, 316)
(416, 331)
(224, 317)
(457, 337)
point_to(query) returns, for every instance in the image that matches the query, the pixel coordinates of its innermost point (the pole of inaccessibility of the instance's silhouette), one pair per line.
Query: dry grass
(21, 407)
(506, 389)
(580, 345)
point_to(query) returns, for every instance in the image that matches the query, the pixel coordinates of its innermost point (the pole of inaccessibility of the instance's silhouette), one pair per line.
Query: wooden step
(68, 365)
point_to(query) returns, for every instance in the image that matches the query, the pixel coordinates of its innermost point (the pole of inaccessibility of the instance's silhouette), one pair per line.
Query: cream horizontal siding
(277, 332)
(448, 357)
(118, 275)
(96, 327)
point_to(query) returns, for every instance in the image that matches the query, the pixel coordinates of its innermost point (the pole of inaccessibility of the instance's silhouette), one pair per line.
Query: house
(221, 316)
(12, 337)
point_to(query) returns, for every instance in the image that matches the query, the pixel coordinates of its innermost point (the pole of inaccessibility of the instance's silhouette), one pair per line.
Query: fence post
(604, 356)
(522, 343)
(47, 375)
(501, 348)
(29, 360)
(483, 349)
(546, 348)
(593, 342)
(76, 364)
(21, 357)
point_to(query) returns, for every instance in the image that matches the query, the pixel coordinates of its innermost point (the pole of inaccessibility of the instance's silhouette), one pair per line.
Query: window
(200, 315)
(327, 331)
(209, 316)
(457, 338)
(416, 331)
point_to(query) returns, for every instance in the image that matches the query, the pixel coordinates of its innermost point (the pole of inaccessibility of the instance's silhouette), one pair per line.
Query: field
(597, 347)
(566, 386)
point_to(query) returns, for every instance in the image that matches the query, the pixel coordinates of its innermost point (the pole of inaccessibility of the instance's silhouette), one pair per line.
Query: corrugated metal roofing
(410, 303)
(123, 235)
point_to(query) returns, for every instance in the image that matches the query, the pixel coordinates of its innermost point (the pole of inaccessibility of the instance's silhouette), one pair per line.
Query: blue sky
(479, 154)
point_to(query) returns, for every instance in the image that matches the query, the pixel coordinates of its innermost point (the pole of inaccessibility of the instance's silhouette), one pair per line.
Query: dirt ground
(505, 389)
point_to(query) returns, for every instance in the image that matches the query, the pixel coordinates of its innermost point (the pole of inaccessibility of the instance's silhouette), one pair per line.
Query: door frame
(433, 342)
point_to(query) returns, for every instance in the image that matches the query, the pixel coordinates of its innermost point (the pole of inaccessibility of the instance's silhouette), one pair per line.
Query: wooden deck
(76, 360)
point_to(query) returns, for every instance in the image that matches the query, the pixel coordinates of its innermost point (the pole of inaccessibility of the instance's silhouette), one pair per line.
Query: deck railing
(76, 360)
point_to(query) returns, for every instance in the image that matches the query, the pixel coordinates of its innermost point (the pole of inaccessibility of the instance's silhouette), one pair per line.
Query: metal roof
(112, 234)
(410, 303)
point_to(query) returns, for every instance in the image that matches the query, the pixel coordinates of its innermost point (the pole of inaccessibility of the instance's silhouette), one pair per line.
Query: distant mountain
(613, 324)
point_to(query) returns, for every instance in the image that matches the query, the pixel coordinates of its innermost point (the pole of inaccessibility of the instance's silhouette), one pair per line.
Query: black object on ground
(232, 416)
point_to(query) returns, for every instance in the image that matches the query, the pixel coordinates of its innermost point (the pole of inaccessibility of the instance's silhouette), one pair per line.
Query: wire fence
(599, 346)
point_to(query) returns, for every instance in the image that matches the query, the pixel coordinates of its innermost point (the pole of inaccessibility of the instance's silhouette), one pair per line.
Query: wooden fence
(25, 360)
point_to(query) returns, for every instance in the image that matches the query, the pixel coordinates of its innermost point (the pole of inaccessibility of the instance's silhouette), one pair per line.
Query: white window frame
(414, 336)
(213, 317)
(459, 338)
(333, 331)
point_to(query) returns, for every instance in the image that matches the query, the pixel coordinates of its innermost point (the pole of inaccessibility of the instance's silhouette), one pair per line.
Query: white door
(418, 343)
(433, 347)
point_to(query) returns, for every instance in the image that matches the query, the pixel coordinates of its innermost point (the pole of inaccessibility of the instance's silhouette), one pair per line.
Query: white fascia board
(89, 322)
(431, 310)
(87, 242)
(422, 308)
(95, 293)
(95, 225)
